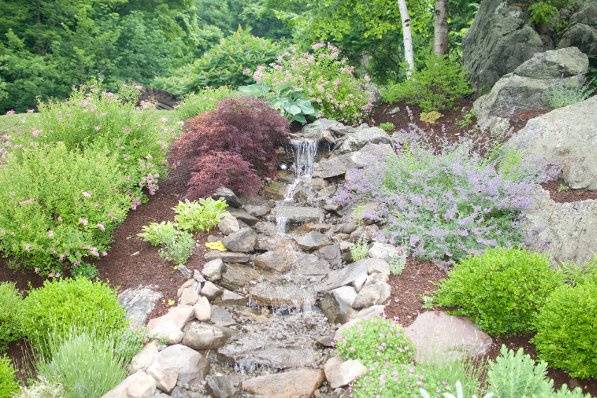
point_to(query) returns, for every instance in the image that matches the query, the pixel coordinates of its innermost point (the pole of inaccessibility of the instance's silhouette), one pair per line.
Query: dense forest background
(47, 47)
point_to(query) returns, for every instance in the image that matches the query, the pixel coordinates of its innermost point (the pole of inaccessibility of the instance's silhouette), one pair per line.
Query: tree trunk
(408, 39)
(440, 26)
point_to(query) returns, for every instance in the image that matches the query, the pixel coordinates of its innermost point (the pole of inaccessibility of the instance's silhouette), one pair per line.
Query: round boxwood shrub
(8, 382)
(567, 329)
(375, 342)
(61, 306)
(10, 309)
(501, 290)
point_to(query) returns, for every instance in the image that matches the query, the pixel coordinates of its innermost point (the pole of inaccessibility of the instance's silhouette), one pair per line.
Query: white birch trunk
(440, 28)
(408, 39)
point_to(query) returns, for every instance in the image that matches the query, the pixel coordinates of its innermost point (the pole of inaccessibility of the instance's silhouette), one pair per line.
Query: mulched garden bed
(567, 195)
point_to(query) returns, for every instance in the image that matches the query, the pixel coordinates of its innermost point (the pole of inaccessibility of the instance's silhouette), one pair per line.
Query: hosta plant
(290, 102)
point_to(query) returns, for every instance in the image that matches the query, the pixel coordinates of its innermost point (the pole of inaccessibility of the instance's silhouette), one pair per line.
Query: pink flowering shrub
(59, 207)
(325, 78)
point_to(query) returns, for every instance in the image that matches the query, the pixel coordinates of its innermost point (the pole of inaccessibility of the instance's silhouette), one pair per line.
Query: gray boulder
(582, 32)
(499, 40)
(566, 137)
(362, 136)
(525, 89)
(334, 166)
(138, 303)
(201, 336)
(242, 241)
(228, 195)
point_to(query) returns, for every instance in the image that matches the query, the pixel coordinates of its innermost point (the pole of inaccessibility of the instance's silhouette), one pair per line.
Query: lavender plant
(443, 207)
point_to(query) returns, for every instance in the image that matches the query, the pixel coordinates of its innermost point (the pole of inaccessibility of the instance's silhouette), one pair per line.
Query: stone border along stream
(261, 318)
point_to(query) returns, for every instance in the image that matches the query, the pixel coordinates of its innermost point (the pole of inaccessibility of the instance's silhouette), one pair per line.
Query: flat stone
(228, 195)
(201, 336)
(331, 254)
(178, 365)
(280, 293)
(188, 295)
(228, 224)
(238, 276)
(291, 384)
(374, 292)
(220, 316)
(202, 309)
(212, 270)
(145, 357)
(280, 260)
(138, 304)
(437, 335)
(242, 241)
(221, 386)
(257, 210)
(312, 240)
(371, 154)
(244, 216)
(137, 385)
(210, 290)
(332, 167)
(341, 373)
(227, 257)
(346, 275)
(296, 215)
(168, 327)
(363, 136)
(232, 298)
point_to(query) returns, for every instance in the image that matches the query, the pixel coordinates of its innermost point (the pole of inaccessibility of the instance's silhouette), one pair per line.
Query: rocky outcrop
(582, 32)
(566, 137)
(138, 303)
(526, 87)
(499, 41)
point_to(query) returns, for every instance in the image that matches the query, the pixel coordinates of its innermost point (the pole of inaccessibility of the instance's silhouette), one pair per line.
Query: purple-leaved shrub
(442, 206)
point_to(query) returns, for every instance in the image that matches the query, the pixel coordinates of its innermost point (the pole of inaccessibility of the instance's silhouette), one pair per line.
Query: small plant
(467, 119)
(543, 13)
(434, 88)
(157, 234)
(178, 248)
(562, 95)
(359, 251)
(430, 117)
(501, 290)
(566, 328)
(442, 377)
(204, 101)
(199, 216)
(388, 127)
(397, 264)
(387, 381)
(376, 341)
(59, 306)
(85, 270)
(41, 389)
(8, 380)
(459, 393)
(290, 102)
(428, 302)
(10, 314)
(86, 365)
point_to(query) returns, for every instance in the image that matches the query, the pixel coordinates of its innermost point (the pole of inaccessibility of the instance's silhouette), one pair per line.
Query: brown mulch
(419, 278)
(566, 195)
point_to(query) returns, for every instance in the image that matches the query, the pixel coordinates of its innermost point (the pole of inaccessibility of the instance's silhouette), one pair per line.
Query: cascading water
(305, 151)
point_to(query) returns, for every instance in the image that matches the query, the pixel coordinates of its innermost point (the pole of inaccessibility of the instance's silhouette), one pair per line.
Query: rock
(334, 166)
(242, 241)
(137, 385)
(565, 137)
(439, 336)
(221, 386)
(144, 358)
(138, 304)
(279, 293)
(341, 373)
(295, 215)
(337, 304)
(168, 327)
(582, 29)
(221, 316)
(239, 276)
(229, 297)
(266, 228)
(386, 251)
(371, 154)
(322, 129)
(178, 365)
(243, 216)
(374, 292)
(228, 195)
(499, 40)
(228, 224)
(346, 275)
(202, 309)
(374, 265)
(291, 384)
(280, 260)
(198, 277)
(257, 210)
(525, 89)
(210, 290)
(312, 240)
(201, 336)
(331, 254)
(563, 231)
(362, 136)
(346, 228)
(212, 270)
(227, 257)
(188, 295)
(374, 311)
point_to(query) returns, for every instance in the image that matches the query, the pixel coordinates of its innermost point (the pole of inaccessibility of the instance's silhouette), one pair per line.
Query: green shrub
(157, 234)
(566, 329)
(543, 13)
(397, 264)
(10, 314)
(58, 206)
(225, 64)
(199, 216)
(501, 290)
(58, 307)
(359, 251)
(175, 245)
(91, 118)
(8, 381)
(374, 342)
(84, 364)
(440, 377)
(326, 79)
(562, 95)
(205, 100)
(387, 381)
(436, 87)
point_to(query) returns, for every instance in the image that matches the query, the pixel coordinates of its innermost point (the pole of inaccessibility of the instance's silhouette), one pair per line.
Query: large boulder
(566, 137)
(582, 32)
(294, 383)
(525, 89)
(498, 42)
